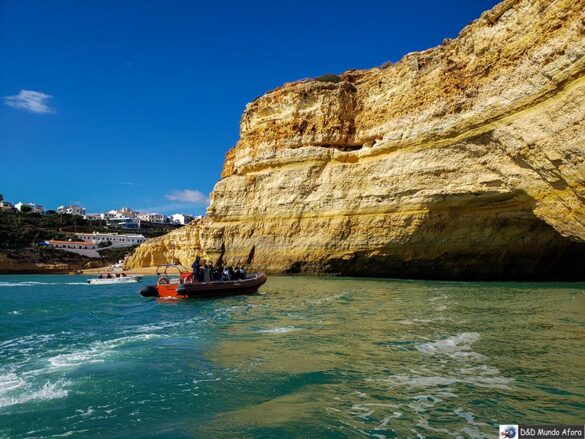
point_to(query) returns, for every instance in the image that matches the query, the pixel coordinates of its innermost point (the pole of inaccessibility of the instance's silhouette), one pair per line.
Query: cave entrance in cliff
(492, 237)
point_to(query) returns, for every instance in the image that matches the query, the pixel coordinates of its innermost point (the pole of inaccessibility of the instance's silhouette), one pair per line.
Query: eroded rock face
(463, 161)
(177, 247)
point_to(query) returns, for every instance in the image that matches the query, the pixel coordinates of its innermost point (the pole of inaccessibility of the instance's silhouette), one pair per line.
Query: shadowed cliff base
(565, 262)
(486, 238)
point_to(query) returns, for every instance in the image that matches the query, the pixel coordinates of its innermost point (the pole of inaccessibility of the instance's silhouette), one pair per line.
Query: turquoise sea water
(308, 357)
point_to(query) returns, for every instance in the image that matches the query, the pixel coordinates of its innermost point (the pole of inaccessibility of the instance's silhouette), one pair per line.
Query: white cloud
(131, 183)
(29, 100)
(188, 196)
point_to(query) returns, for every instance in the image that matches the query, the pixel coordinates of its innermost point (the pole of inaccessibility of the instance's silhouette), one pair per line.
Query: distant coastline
(35, 242)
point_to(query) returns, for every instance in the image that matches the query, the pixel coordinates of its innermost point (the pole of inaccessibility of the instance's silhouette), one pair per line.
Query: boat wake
(34, 284)
(26, 377)
(16, 390)
(97, 352)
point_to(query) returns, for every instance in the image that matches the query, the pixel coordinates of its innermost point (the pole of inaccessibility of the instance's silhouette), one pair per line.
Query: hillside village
(124, 218)
(106, 236)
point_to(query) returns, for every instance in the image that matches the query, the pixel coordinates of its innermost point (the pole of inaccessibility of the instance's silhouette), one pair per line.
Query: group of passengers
(205, 271)
(110, 275)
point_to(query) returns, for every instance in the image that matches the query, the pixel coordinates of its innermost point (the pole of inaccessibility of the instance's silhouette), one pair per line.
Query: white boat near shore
(104, 280)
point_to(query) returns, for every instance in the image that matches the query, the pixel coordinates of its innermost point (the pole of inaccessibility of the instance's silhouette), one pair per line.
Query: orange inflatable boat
(176, 282)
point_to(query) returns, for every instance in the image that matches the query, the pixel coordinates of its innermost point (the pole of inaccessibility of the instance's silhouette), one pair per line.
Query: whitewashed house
(36, 208)
(71, 210)
(117, 240)
(179, 218)
(88, 249)
(6, 206)
(154, 218)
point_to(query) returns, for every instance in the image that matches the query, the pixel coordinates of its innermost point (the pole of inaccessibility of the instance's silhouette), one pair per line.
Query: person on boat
(123, 275)
(196, 267)
(108, 276)
(217, 273)
(206, 273)
(226, 274)
(211, 271)
(200, 274)
(243, 273)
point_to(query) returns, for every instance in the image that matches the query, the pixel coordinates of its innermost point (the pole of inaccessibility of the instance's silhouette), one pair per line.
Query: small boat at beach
(114, 278)
(179, 285)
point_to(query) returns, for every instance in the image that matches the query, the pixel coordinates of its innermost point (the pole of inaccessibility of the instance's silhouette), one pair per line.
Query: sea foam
(96, 352)
(457, 346)
(34, 284)
(50, 390)
(282, 330)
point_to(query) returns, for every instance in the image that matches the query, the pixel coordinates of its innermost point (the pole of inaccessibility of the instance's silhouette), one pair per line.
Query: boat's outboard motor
(149, 291)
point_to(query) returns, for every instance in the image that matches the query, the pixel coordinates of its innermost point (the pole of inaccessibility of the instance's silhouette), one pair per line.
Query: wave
(27, 341)
(479, 380)
(419, 381)
(20, 384)
(96, 352)
(70, 433)
(155, 327)
(282, 330)
(457, 346)
(9, 382)
(50, 390)
(34, 284)
(416, 321)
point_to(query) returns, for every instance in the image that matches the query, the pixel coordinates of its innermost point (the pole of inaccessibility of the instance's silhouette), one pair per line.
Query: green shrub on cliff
(328, 77)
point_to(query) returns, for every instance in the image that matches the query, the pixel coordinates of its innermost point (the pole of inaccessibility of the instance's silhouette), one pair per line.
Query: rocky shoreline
(34, 260)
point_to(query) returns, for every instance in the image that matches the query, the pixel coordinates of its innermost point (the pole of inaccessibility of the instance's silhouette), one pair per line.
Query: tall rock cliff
(462, 161)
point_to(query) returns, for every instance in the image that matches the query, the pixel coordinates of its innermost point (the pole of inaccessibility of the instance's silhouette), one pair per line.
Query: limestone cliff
(179, 247)
(462, 161)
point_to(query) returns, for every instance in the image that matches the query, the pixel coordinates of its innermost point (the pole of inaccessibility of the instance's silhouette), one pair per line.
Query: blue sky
(134, 103)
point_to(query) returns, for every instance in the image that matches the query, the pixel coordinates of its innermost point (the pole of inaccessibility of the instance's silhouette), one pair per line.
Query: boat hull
(219, 288)
(116, 280)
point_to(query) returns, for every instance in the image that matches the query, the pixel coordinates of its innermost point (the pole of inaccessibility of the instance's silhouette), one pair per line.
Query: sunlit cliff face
(463, 161)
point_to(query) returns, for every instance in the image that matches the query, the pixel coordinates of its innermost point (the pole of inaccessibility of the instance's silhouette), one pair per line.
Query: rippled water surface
(308, 357)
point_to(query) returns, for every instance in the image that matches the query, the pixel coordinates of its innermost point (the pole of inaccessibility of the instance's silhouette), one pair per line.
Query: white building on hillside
(154, 217)
(179, 218)
(36, 208)
(71, 210)
(126, 212)
(88, 249)
(6, 206)
(124, 222)
(117, 240)
(108, 215)
(122, 213)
